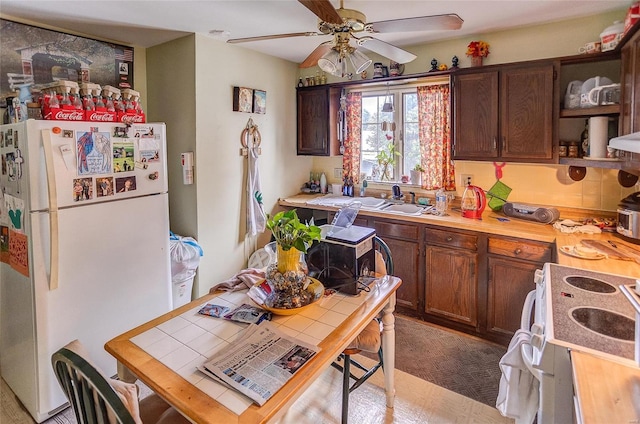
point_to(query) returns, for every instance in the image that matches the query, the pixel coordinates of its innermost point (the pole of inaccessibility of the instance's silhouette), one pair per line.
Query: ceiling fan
(344, 24)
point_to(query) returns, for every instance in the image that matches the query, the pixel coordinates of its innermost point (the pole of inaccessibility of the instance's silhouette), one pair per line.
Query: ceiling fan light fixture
(329, 62)
(359, 61)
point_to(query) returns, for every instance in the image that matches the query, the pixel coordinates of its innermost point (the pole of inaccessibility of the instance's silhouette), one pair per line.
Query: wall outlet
(337, 173)
(466, 179)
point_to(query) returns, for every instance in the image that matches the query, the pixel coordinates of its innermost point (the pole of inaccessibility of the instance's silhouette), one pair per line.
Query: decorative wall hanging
(259, 101)
(32, 55)
(242, 99)
(250, 139)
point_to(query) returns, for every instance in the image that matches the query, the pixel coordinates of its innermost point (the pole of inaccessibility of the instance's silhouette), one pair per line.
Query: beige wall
(190, 84)
(544, 184)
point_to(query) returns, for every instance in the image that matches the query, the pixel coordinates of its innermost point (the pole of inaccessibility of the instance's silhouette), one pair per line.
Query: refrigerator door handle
(53, 209)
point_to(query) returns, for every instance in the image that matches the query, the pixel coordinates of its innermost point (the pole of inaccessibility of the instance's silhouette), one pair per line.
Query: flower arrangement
(478, 49)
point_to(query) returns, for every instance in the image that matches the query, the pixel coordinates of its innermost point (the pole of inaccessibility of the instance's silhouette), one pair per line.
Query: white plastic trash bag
(185, 255)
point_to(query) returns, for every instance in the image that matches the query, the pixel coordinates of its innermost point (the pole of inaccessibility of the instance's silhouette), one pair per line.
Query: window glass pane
(374, 139)
(411, 142)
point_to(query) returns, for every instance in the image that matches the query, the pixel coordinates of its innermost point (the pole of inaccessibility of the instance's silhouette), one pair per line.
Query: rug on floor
(458, 362)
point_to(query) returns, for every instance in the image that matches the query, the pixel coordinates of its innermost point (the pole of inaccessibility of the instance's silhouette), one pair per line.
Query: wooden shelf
(592, 163)
(590, 111)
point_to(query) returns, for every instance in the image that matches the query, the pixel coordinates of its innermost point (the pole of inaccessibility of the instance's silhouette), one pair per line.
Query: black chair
(94, 400)
(369, 340)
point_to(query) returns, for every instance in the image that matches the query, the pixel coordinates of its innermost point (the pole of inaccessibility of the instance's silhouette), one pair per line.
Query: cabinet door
(405, 266)
(451, 284)
(313, 121)
(526, 112)
(630, 101)
(475, 115)
(509, 283)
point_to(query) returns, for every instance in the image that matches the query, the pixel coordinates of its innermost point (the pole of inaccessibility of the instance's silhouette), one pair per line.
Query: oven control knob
(537, 340)
(537, 329)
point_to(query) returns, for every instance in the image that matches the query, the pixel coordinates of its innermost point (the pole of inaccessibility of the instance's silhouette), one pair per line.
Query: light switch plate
(337, 173)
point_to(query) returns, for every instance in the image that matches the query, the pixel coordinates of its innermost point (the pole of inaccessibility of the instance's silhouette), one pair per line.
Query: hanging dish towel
(518, 394)
(256, 218)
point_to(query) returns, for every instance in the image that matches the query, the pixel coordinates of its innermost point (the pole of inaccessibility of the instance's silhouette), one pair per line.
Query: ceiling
(150, 22)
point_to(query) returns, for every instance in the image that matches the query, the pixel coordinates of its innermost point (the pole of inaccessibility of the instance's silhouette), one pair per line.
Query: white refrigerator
(84, 247)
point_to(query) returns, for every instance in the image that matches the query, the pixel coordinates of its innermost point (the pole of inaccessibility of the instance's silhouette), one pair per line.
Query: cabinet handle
(449, 238)
(517, 251)
(495, 142)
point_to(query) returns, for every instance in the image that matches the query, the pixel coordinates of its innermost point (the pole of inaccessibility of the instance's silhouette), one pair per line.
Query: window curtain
(434, 107)
(351, 155)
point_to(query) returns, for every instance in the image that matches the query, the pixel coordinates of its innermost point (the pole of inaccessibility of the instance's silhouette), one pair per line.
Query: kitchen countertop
(614, 399)
(597, 402)
(513, 228)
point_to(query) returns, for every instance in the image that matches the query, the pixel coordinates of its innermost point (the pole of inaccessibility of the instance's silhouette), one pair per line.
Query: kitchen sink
(605, 322)
(404, 209)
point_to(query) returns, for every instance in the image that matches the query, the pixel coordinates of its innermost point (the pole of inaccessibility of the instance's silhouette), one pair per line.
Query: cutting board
(620, 251)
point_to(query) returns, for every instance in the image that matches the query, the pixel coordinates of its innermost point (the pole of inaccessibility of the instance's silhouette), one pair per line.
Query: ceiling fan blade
(312, 59)
(273, 37)
(323, 9)
(385, 49)
(421, 23)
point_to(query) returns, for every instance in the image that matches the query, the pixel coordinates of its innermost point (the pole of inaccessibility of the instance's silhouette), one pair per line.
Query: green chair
(369, 340)
(94, 399)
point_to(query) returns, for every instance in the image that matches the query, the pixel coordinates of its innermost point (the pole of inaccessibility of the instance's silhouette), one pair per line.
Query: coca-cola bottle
(53, 100)
(76, 102)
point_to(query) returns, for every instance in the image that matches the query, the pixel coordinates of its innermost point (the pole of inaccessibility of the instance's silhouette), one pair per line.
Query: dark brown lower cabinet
(509, 283)
(451, 284)
(405, 265)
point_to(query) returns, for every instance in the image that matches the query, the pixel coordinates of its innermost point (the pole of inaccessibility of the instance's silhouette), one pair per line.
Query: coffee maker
(343, 259)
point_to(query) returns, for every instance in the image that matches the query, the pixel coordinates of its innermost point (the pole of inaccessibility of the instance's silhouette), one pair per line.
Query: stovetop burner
(605, 322)
(575, 294)
(590, 284)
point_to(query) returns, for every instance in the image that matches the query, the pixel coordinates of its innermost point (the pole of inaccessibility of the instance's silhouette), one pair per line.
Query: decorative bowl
(315, 288)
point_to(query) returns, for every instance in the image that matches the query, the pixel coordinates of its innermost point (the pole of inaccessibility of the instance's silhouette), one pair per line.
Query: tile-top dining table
(165, 352)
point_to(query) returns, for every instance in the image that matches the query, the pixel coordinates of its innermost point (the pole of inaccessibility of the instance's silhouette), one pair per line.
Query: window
(390, 143)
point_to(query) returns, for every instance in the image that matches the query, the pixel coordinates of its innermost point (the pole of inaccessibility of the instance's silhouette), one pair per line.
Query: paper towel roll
(598, 136)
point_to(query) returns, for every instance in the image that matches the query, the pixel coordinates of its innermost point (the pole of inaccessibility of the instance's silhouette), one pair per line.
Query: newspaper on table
(260, 361)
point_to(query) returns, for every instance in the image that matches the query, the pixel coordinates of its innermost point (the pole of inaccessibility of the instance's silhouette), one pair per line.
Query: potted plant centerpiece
(288, 276)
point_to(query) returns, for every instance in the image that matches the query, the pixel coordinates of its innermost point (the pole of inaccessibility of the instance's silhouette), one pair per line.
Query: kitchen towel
(518, 394)
(256, 218)
(598, 136)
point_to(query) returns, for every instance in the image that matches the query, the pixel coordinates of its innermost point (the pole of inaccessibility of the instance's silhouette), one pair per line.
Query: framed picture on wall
(38, 56)
(242, 99)
(259, 101)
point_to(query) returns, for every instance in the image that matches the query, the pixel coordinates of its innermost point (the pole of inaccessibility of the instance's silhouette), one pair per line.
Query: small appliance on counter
(341, 259)
(536, 213)
(473, 202)
(629, 217)
(345, 254)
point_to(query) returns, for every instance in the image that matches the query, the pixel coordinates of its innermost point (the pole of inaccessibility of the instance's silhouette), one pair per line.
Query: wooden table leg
(389, 349)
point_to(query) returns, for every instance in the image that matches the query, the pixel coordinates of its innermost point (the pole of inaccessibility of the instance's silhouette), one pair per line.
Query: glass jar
(563, 149)
(573, 151)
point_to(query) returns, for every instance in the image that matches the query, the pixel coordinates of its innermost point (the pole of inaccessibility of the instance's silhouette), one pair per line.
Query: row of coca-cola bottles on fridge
(70, 101)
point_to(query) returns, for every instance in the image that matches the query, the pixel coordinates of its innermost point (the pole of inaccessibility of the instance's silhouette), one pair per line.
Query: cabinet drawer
(531, 251)
(451, 238)
(392, 229)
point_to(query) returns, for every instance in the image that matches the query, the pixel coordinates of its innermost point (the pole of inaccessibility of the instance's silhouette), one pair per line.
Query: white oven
(574, 309)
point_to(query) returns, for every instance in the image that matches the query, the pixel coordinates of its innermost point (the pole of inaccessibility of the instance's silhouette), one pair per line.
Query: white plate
(609, 159)
(570, 250)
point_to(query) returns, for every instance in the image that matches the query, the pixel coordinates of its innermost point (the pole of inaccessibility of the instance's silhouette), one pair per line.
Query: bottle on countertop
(441, 202)
(323, 184)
